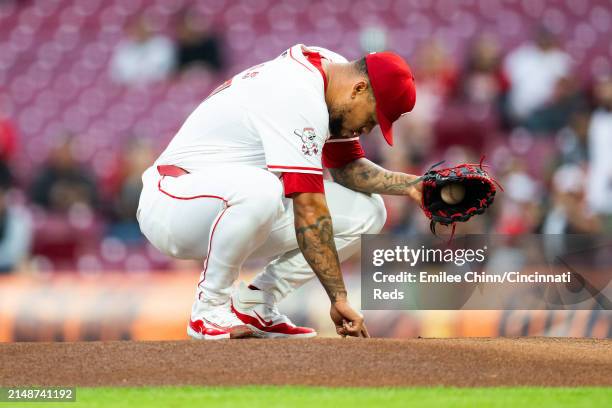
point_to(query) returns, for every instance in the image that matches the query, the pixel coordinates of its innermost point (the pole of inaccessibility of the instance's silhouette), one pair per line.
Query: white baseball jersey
(272, 116)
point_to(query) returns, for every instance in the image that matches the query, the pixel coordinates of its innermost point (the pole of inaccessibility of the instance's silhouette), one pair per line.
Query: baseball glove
(480, 190)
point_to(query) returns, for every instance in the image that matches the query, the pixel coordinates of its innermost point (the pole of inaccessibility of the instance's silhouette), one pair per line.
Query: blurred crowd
(65, 216)
(546, 135)
(144, 56)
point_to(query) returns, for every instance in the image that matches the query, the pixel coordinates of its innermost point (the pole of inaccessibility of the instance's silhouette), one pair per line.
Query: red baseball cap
(393, 87)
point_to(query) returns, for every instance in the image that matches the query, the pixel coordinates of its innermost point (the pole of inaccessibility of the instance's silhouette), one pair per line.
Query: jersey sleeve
(291, 145)
(293, 135)
(339, 152)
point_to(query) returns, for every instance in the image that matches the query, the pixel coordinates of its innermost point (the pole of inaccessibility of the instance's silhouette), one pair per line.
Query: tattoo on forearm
(365, 176)
(316, 241)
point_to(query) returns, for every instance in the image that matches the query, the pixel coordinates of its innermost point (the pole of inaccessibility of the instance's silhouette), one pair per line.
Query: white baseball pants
(233, 213)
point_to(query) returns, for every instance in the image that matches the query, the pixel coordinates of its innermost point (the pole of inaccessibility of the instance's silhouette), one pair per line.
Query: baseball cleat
(200, 331)
(258, 311)
(215, 322)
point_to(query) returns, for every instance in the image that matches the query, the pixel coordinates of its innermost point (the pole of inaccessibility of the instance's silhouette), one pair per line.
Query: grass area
(311, 397)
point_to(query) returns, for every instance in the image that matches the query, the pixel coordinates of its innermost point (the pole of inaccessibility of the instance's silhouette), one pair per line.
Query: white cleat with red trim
(258, 311)
(215, 322)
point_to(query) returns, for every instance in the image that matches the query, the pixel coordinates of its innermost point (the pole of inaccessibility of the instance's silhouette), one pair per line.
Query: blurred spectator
(600, 148)
(15, 227)
(436, 76)
(8, 138)
(198, 44)
(63, 182)
(569, 213)
(572, 139)
(125, 188)
(483, 80)
(69, 228)
(143, 57)
(471, 118)
(554, 114)
(534, 70)
(519, 210)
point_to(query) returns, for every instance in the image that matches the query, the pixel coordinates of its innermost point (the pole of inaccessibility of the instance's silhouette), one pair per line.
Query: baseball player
(243, 179)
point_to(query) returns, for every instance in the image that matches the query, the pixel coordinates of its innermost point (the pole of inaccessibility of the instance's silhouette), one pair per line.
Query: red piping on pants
(214, 226)
(188, 198)
(209, 249)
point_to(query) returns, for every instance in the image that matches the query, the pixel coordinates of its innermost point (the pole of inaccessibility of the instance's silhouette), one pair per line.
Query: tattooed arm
(315, 237)
(364, 176)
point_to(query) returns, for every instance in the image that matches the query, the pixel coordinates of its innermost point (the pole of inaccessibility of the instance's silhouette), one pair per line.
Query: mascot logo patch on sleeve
(310, 145)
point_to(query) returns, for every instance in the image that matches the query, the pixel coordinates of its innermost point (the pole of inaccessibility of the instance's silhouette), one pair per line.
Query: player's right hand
(348, 321)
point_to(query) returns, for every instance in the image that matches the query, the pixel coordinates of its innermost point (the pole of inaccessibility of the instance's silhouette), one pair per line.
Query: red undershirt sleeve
(339, 152)
(302, 183)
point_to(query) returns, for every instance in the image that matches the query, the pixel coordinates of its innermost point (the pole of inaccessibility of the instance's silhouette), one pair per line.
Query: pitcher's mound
(324, 362)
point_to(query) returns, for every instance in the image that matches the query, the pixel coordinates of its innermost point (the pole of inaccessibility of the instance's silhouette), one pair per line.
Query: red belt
(171, 170)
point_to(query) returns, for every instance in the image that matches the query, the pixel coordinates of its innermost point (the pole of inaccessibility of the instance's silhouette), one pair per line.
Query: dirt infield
(328, 362)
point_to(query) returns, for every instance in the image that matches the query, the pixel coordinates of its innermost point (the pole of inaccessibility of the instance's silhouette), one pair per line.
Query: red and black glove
(480, 190)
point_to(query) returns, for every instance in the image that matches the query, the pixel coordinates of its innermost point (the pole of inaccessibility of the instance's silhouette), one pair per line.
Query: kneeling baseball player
(243, 179)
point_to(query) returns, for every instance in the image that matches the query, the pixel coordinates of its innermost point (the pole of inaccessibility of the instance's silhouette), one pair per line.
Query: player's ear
(360, 88)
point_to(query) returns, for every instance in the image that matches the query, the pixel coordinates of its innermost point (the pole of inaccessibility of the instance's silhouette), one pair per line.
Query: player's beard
(336, 121)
